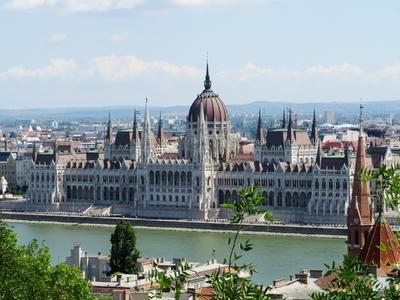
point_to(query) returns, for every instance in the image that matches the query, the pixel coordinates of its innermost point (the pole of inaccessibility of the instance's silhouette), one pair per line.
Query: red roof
(214, 108)
(382, 248)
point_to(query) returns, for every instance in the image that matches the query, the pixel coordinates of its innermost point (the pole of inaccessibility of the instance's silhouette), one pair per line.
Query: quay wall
(257, 228)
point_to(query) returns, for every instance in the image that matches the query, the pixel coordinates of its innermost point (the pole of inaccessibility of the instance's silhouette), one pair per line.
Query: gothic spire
(207, 81)
(314, 133)
(260, 130)
(135, 134)
(359, 214)
(284, 119)
(290, 133)
(160, 133)
(146, 136)
(109, 129)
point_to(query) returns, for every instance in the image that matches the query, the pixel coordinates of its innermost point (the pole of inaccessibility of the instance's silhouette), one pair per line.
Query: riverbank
(181, 225)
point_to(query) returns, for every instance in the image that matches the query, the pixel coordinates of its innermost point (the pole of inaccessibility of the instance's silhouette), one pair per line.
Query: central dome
(214, 108)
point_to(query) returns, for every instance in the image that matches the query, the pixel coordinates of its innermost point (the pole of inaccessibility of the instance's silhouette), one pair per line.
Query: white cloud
(392, 71)
(59, 67)
(251, 71)
(124, 67)
(205, 2)
(109, 5)
(119, 37)
(28, 4)
(111, 68)
(57, 37)
(100, 5)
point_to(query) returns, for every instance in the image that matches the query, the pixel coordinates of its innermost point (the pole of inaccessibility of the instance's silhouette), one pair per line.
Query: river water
(274, 256)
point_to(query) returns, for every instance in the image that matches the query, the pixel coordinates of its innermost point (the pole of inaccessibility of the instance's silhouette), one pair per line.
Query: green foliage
(229, 285)
(166, 282)
(26, 273)
(387, 180)
(233, 283)
(124, 254)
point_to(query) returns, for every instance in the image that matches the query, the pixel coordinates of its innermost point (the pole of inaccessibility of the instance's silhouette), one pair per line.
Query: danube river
(275, 256)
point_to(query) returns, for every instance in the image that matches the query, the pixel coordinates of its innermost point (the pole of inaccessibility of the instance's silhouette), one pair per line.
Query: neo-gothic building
(135, 178)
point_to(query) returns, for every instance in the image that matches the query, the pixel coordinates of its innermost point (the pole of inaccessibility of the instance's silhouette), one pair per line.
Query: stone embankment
(195, 225)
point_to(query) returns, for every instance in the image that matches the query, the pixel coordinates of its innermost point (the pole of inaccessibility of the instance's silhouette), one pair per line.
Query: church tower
(359, 213)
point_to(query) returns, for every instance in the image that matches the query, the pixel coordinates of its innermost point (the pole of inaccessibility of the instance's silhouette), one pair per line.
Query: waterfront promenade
(186, 225)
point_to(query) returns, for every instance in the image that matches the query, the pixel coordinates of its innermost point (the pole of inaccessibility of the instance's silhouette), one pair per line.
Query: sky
(73, 53)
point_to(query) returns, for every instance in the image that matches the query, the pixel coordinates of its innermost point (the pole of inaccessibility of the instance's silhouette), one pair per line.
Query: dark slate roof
(277, 137)
(377, 155)
(331, 163)
(4, 155)
(44, 158)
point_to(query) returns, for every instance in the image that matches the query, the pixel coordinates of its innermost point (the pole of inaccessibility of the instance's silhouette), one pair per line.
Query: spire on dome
(207, 81)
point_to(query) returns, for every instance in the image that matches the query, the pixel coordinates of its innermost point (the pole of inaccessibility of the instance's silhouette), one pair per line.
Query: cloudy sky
(63, 53)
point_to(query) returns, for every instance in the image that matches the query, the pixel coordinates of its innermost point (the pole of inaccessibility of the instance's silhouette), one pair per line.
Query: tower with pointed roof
(314, 132)
(260, 135)
(108, 140)
(359, 212)
(283, 119)
(382, 249)
(146, 143)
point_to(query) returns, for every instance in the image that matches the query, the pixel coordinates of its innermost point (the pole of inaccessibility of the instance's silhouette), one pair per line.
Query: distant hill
(268, 107)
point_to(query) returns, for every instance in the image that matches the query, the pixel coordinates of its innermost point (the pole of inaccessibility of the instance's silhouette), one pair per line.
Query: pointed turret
(290, 132)
(146, 136)
(284, 119)
(109, 130)
(314, 133)
(135, 133)
(359, 213)
(207, 81)
(260, 136)
(160, 132)
(382, 248)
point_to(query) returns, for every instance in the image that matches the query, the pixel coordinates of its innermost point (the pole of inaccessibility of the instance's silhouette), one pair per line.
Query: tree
(26, 272)
(230, 284)
(352, 279)
(124, 254)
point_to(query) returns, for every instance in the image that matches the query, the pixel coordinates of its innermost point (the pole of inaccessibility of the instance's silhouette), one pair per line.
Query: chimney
(302, 277)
